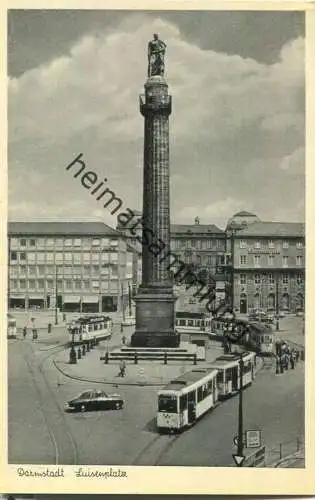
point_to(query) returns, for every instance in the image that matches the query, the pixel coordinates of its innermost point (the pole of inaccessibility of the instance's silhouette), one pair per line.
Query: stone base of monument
(184, 352)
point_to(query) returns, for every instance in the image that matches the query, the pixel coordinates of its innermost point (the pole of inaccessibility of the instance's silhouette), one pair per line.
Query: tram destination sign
(253, 438)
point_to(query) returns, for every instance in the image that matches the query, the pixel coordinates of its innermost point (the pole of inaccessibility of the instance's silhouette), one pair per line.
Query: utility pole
(122, 302)
(277, 302)
(129, 299)
(56, 292)
(232, 271)
(240, 410)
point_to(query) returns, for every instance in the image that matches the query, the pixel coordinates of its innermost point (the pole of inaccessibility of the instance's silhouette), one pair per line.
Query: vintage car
(95, 400)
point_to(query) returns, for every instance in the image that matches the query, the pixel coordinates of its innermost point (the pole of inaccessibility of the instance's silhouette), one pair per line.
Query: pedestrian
(292, 361)
(123, 340)
(122, 369)
(24, 332)
(297, 355)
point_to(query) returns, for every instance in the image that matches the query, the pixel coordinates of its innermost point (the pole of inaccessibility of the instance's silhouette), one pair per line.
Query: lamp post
(277, 303)
(240, 410)
(129, 299)
(56, 293)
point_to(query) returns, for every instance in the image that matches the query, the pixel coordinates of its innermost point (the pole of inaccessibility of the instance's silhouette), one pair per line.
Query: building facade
(72, 266)
(269, 267)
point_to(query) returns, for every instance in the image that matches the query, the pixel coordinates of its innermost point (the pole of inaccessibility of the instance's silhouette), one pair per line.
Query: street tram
(188, 322)
(11, 328)
(184, 400)
(87, 328)
(253, 335)
(229, 377)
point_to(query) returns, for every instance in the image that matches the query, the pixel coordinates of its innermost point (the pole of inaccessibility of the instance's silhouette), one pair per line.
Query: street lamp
(240, 410)
(277, 303)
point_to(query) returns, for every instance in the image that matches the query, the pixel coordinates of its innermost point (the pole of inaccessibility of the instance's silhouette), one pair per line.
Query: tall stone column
(155, 302)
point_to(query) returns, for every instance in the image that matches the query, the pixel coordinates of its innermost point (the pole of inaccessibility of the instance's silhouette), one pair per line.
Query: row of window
(199, 244)
(269, 244)
(270, 279)
(60, 242)
(271, 260)
(33, 270)
(68, 285)
(211, 260)
(60, 257)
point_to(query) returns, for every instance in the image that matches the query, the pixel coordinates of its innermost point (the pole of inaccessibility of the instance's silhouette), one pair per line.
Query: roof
(276, 229)
(243, 213)
(188, 378)
(195, 229)
(61, 228)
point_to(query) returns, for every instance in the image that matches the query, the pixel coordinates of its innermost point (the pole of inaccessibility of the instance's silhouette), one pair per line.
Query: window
(41, 242)
(14, 242)
(68, 242)
(59, 257)
(13, 257)
(78, 285)
(86, 257)
(22, 284)
(23, 242)
(299, 244)
(257, 244)
(95, 269)
(271, 279)
(59, 242)
(77, 242)
(50, 242)
(31, 257)
(257, 260)
(41, 257)
(31, 270)
(209, 243)
(183, 402)
(271, 260)
(13, 272)
(299, 260)
(31, 284)
(13, 284)
(113, 257)
(113, 243)
(257, 279)
(41, 270)
(40, 284)
(285, 261)
(299, 279)
(68, 285)
(167, 404)
(77, 258)
(243, 244)
(105, 242)
(96, 242)
(50, 284)
(285, 278)
(50, 257)
(68, 257)
(198, 244)
(50, 269)
(285, 244)
(95, 284)
(32, 243)
(271, 244)
(192, 243)
(198, 259)
(95, 257)
(86, 285)
(22, 256)
(243, 279)
(243, 259)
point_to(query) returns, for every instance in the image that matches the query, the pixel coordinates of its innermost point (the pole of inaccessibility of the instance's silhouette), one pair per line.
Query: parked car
(95, 400)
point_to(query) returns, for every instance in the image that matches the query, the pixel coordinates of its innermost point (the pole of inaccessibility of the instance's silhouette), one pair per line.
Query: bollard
(49, 327)
(106, 358)
(165, 358)
(195, 359)
(87, 346)
(83, 349)
(35, 335)
(121, 328)
(72, 356)
(79, 353)
(136, 358)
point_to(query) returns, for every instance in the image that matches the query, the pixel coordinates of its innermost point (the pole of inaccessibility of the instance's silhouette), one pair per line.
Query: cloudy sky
(236, 130)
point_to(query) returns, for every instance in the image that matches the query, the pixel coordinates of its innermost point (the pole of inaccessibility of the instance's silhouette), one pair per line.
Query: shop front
(71, 303)
(90, 304)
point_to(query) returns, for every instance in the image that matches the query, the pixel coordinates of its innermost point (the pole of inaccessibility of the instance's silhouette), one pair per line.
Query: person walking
(122, 369)
(24, 332)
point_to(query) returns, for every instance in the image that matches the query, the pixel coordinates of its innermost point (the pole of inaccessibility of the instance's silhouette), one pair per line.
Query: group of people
(286, 356)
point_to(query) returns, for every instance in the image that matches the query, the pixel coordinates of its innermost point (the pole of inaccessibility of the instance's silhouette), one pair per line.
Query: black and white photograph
(156, 299)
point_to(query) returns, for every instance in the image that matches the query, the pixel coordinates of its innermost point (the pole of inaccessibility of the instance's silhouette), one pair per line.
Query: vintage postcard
(156, 248)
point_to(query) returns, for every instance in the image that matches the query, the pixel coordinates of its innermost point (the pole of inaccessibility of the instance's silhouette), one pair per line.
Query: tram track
(153, 451)
(63, 443)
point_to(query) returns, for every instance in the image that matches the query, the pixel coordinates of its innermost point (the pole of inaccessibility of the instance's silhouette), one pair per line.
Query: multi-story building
(75, 266)
(201, 246)
(269, 266)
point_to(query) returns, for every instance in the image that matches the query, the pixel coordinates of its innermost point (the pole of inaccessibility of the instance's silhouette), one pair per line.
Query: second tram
(229, 376)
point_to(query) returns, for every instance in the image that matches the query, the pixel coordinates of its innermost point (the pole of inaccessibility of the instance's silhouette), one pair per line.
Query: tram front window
(168, 404)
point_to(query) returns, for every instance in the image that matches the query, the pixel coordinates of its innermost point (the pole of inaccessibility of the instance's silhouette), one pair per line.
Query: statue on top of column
(156, 53)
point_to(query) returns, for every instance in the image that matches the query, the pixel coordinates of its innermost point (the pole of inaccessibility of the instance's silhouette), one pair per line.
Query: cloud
(232, 117)
(294, 163)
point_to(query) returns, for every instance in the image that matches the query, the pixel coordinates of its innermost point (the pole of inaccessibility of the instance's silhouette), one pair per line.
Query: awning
(71, 299)
(17, 297)
(36, 297)
(90, 299)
